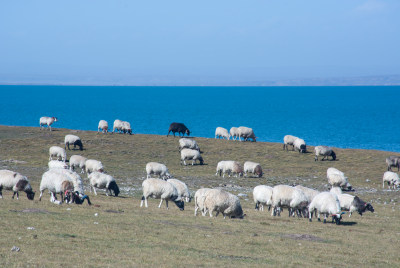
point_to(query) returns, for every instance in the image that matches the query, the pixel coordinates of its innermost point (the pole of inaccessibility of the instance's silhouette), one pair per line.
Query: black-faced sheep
(393, 161)
(247, 133)
(328, 204)
(73, 140)
(252, 167)
(288, 140)
(324, 151)
(224, 202)
(160, 189)
(14, 181)
(103, 126)
(189, 154)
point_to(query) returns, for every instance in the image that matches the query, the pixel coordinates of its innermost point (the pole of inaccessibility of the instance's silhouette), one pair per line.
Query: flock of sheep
(299, 200)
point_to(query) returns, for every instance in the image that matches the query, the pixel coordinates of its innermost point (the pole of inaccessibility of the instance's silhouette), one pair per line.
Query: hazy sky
(180, 39)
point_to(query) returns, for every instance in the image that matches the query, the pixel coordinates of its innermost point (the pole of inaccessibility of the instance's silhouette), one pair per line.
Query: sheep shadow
(348, 223)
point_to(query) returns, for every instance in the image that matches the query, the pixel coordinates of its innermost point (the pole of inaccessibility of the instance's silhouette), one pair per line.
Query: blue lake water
(345, 117)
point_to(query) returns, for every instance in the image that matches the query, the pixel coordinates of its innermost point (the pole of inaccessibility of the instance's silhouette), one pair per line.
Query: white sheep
(336, 178)
(221, 132)
(188, 143)
(103, 126)
(77, 161)
(234, 132)
(324, 151)
(252, 167)
(103, 181)
(199, 197)
(57, 164)
(182, 188)
(300, 145)
(351, 203)
(222, 202)
(262, 195)
(246, 133)
(290, 197)
(75, 178)
(288, 140)
(118, 126)
(328, 204)
(56, 182)
(73, 140)
(189, 154)
(336, 190)
(230, 167)
(92, 165)
(391, 178)
(310, 193)
(47, 121)
(160, 189)
(14, 181)
(126, 127)
(58, 152)
(157, 169)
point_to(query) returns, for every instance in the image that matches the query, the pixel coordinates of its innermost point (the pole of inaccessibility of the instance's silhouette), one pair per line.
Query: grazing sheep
(74, 177)
(160, 189)
(103, 126)
(92, 165)
(393, 161)
(182, 189)
(234, 132)
(392, 179)
(77, 161)
(289, 197)
(189, 154)
(224, 202)
(221, 132)
(188, 143)
(57, 164)
(324, 151)
(157, 169)
(199, 197)
(246, 133)
(57, 152)
(300, 145)
(328, 204)
(252, 167)
(336, 178)
(72, 139)
(56, 182)
(126, 127)
(288, 140)
(14, 181)
(47, 121)
(310, 193)
(230, 167)
(178, 127)
(351, 203)
(262, 196)
(118, 126)
(103, 181)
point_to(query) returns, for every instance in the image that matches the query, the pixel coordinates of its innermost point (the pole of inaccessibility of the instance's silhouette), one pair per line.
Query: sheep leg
(40, 197)
(193, 162)
(195, 210)
(94, 190)
(324, 218)
(14, 195)
(166, 203)
(159, 206)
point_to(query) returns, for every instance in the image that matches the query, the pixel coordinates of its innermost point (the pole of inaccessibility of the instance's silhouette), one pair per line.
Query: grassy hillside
(124, 234)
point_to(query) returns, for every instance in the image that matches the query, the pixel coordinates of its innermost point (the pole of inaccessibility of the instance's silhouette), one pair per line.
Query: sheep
(103, 126)
(47, 121)
(351, 203)
(74, 177)
(393, 161)
(189, 154)
(118, 126)
(234, 132)
(57, 152)
(392, 179)
(160, 189)
(178, 127)
(337, 178)
(77, 161)
(224, 202)
(55, 182)
(336, 190)
(324, 151)
(103, 181)
(230, 167)
(92, 165)
(288, 140)
(126, 127)
(300, 145)
(252, 167)
(328, 204)
(157, 169)
(57, 164)
(182, 189)
(14, 181)
(310, 193)
(289, 197)
(199, 197)
(246, 133)
(72, 139)
(188, 143)
(221, 132)
(262, 196)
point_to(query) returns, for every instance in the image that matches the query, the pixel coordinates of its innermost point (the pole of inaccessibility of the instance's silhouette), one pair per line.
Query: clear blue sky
(125, 41)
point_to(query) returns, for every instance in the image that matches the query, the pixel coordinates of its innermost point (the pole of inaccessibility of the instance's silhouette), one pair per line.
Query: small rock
(31, 228)
(367, 180)
(68, 208)
(96, 222)
(242, 195)
(96, 214)
(16, 249)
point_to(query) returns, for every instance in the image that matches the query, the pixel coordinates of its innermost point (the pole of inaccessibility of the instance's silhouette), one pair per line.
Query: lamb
(126, 127)
(189, 154)
(230, 167)
(57, 152)
(328, 204)
(182, 189)
(224, 202)
(337, 178)
(391, 178)
(252, 167)
(103, 181)
(77, 161)
(57, 164)
(75, 178)
(72, 139)
(92, 165)
(199, 197)
(221, 132)
(324, 151)
(188, 143)
(55, 182)
(246, 133)
(118, 126)
(310, 193)
(160, 189)
(290, 197)
(288, 140)
(393, 161)
(262, 196)
(103, 126)
(47, 121)
(14, 181)
(300, 145)
(351, 203)
(178, 127)
(157, 169)
(234, 132)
